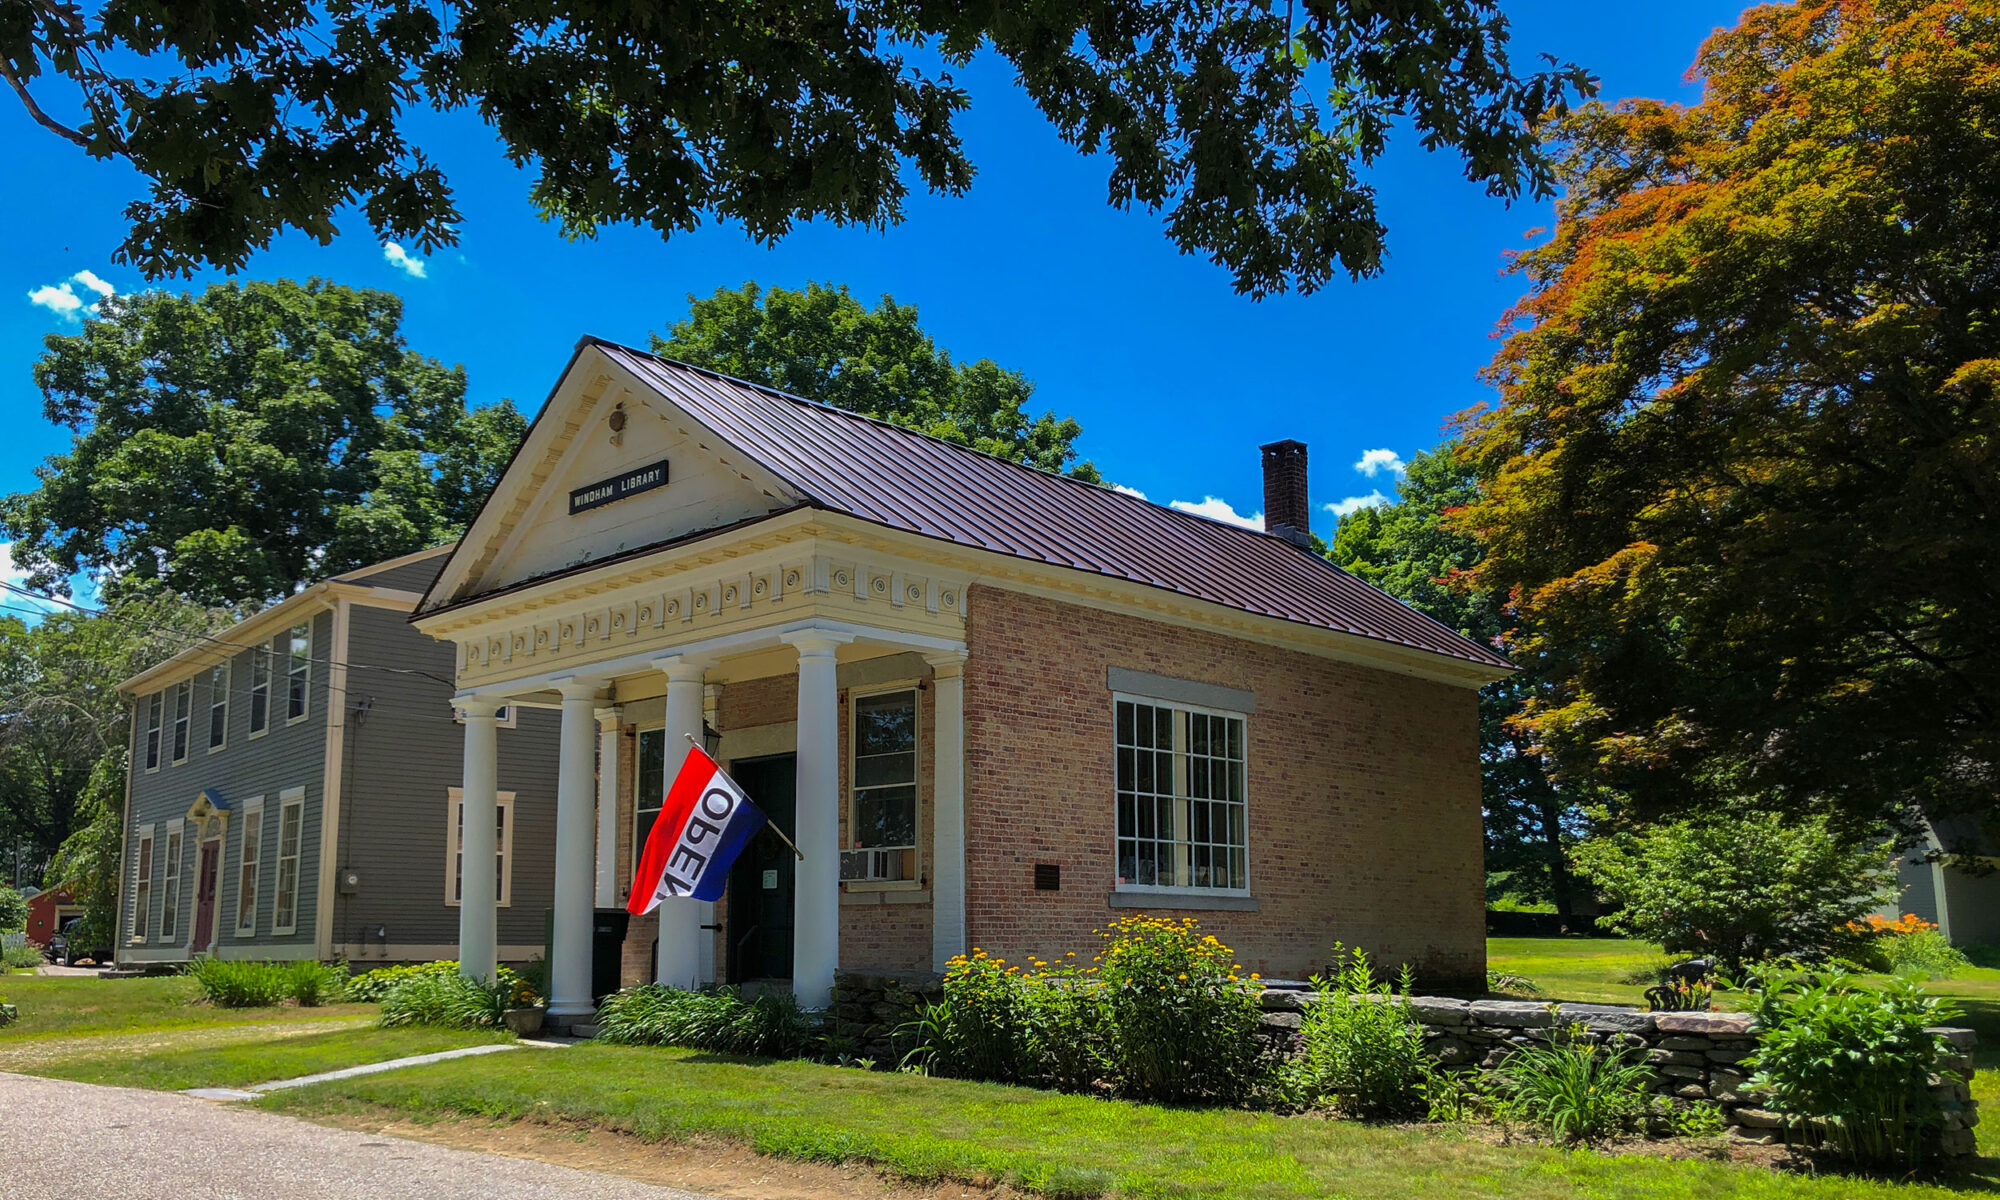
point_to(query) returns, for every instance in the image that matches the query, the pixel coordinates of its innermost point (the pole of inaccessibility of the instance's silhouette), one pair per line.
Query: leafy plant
(1681, 995)
(315, 983)
(236, 983)
(371, 987)
(720, 1019)
(1062, 1023)
(13, 910)
(1361, 1047)
(25, 956)
(1180, 1021)
(1450, 1096)
(1684, 1118)
(1574, 1090)
(1850, 1064)
(1514, 985)
(447, 1000)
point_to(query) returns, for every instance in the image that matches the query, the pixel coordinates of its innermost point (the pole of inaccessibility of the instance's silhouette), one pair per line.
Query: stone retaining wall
(1694, 1055)
(869, 1006)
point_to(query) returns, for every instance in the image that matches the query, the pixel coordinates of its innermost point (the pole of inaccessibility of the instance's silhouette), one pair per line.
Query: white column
(478, 940)
(608, 721)
(576, 817)
(680, 917)
(816, 909)
(948, 809)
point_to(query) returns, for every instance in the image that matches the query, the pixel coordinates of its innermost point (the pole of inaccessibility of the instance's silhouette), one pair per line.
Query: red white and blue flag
(704, 825)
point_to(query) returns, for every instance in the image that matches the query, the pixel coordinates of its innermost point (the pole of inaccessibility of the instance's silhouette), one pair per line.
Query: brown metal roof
(910, 481)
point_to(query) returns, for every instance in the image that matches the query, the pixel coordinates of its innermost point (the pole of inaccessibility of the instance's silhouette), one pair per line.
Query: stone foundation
(868, 1007)
(1694, 1055)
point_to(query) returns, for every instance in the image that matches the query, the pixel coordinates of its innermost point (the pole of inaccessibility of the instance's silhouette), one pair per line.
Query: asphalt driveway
(79, 1141)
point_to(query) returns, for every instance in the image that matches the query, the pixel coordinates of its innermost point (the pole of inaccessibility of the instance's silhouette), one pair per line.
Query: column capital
(484, 707)
(814, 642)
(609, 718)
(578, 687)
(683, 668)
(946, 663)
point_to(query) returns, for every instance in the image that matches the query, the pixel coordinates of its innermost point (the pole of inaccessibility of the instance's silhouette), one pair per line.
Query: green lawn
(238, 1062)
(930, 1129)
(72, 1006)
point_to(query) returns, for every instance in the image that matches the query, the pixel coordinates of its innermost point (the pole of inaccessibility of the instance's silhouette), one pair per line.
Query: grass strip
(242, 1063)
(77, 1006)
(925, 1130)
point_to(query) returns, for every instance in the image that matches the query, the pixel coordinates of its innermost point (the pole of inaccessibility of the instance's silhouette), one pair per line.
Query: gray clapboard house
(294, 789)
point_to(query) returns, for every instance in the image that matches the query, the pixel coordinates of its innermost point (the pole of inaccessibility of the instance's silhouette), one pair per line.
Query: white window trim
(183, 711)
(243, 865)
(156, 730)
(260, 654)
(290, 800)
(290, 635)
(916, 880)
(1155, 889)
(666, 781)
(171, 882)
(454, 797)
(228, 669)
(143, 852)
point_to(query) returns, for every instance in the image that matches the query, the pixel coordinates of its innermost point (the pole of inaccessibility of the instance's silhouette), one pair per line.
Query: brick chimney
(1286, 508)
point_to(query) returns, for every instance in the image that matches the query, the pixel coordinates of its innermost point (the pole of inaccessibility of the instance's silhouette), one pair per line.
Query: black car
(67, 952)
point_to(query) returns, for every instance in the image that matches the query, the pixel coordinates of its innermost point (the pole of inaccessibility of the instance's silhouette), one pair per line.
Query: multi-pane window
(291, 819)
(170, 889)
(260, 688)
(249, 871)
(183, 714)
(649, 780)
(155, 705)
(1182, 818)
(142, 886)
(218, 705)
(298, 671)
(882, 821)
(503, 845)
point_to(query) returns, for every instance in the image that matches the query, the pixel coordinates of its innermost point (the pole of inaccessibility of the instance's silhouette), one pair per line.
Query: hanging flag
(704, 825)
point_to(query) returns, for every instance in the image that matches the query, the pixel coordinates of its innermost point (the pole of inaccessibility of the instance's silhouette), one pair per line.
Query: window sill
(1189, 901)
(880, 885)
(879, 896)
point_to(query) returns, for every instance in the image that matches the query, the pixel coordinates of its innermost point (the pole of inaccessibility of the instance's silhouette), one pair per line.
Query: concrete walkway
(69, 1140)
(394, 1064)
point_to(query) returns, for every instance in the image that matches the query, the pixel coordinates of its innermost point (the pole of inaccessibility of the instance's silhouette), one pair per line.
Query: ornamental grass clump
(1180, 1019)
(1572, 1089)
(1850, 1065)
(718, 1019)
(1361, 1048)
(234, 983)
(447, 1000)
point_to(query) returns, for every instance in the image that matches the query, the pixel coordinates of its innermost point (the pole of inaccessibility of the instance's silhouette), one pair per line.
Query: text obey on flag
(704, 824)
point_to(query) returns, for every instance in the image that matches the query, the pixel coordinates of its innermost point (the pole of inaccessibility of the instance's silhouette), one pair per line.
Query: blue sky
(1175, 378)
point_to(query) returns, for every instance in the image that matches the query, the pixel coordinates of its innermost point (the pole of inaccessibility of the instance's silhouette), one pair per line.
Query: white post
(608, 720)
(478, 939)
(576, 770)
(680, 917)
(816, 828)
(948, 809)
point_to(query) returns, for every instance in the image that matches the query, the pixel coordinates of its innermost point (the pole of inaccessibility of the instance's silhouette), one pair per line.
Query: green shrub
(770, 1026)
(26, 956)
(13, 910)
(1849, 1064)
(236, 983)
(1180, 1023)
(1062, 1020)
(979, 1029)
(374, 986)
(448, 1000)
(1922, 955)
(1573, 1090)
(1514, 985)
(1360, 1045)
(315, 983)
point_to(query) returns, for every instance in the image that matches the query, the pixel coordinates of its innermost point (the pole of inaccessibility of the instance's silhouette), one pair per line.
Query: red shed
(47, 912)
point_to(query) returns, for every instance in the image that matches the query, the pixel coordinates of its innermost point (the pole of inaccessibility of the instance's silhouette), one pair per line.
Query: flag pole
(768, 822)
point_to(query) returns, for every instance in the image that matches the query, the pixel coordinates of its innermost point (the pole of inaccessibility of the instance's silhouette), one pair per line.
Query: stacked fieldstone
(1694, 1055)
(868, 1007)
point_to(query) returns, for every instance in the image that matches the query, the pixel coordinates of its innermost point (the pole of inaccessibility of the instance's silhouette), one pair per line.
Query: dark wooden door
(204, 897)
(764, 880)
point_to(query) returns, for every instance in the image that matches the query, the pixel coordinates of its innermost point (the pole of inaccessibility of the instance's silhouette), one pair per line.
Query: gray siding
(402, 760)
(1974, 905)
(287, 755)
(410, 577)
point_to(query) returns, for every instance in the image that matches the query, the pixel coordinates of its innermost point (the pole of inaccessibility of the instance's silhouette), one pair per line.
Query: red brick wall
(1364, 793)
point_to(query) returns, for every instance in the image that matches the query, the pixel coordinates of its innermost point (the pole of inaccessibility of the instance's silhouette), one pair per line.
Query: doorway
(762, 884)
(204, 897)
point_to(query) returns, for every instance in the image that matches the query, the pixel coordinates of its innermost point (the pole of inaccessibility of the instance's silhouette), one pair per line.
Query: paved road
(79, 1141)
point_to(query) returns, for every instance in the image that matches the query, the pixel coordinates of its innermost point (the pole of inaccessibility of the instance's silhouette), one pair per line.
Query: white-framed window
(1183, 817)
(170, 884)
(156, 705)
(249, 867)
(142, 885)
(298, 671)
(649, 784)
(882, 786)
(183, 715)
(291, 830)
(218, 706)
(503, 848)
(260, 689)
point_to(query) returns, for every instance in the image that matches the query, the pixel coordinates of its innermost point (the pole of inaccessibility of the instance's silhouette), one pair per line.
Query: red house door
(204, 897)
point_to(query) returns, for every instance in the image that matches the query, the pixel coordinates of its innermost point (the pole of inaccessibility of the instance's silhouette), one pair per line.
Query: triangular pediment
(610, 466)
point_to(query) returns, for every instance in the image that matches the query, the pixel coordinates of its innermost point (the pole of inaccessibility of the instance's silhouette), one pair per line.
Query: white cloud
(63, 300)
(1341, 508)
(1374, 462)
(403, 261)
(1129, 491)
(15, 602)
(90, 280)
(1219, 510)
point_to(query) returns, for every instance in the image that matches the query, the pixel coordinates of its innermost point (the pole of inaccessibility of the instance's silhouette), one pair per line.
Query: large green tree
(1248, 123)
(1745, 468)
(824, 344)
(1410, 550)
(235, 444)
